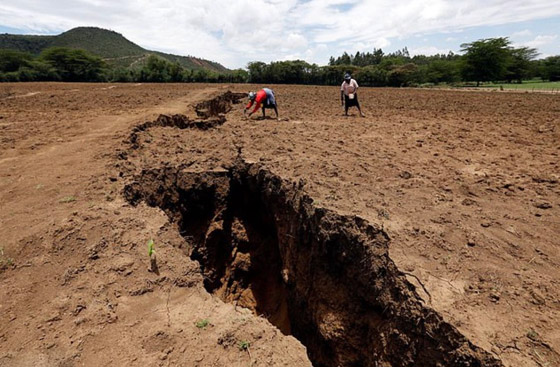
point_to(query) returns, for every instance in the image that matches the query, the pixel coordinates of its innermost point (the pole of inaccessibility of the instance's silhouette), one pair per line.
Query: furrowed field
(425, 234)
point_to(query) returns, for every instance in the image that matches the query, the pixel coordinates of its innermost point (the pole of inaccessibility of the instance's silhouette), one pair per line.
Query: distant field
(526, 85)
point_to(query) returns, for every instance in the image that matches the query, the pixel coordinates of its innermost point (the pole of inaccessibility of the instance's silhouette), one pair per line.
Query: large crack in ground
(324, 278)
(211, 113)
(221, 104)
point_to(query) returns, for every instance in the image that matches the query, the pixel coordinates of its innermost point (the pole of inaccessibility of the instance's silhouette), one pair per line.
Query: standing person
(264, 97)
(348, 95)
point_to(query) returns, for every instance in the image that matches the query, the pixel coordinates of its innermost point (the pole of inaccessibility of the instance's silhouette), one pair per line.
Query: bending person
(265, 98)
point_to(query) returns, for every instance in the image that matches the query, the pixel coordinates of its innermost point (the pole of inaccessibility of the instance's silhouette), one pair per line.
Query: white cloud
(523, 33)
(369, 20)
(235, 32)
(295, 41)
(316, 53)
(540, 40)
(380, 42)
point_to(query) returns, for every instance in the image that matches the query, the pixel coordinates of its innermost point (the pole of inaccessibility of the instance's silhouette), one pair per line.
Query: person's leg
(346, 102)
(359, 109)
(271, 97)
(358, 105)
(276, 110)
(264, 115)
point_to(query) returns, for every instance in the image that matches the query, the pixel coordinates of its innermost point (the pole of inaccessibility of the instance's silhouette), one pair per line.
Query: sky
(235, 32)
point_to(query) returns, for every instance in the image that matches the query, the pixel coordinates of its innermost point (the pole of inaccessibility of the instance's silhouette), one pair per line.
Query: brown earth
(425, 234)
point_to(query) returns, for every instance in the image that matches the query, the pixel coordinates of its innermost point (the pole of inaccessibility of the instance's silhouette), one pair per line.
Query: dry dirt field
(425, 234)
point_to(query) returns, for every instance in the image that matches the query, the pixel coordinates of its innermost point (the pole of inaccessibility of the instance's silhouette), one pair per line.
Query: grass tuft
(67, 199)
(202, 324)
(5, 262)
(244, 345)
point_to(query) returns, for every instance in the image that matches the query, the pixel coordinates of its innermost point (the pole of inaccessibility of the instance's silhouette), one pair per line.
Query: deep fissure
(211, 113)
(219, 105)
(324, 278)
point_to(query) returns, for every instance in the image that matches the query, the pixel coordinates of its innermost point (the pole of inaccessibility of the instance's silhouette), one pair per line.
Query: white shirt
(349, 88)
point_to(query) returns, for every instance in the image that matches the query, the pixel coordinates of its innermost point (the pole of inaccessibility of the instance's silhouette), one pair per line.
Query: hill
(113, 47)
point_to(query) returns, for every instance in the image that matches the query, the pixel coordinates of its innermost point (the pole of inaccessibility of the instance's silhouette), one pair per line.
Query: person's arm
(257, 105)
(247, 107)
(355, 86)
(342, 94)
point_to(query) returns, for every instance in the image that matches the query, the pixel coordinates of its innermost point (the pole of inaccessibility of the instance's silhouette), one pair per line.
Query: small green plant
(244, 345)
(532, 334)
(5, 261)
(151, 250)
(153, 259)
(67, 199)
(202, 324)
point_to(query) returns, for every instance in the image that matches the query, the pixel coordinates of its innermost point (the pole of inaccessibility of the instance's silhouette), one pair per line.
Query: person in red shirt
(265, 98)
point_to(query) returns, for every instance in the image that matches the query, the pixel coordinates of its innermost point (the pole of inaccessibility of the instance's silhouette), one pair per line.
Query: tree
(73, 64)
(402, 75)
(256, 71)
(201, 75)
(441, 71)
(372, 76)
(486, 59)
(239, 76)
(345, 59)
(156, 70)
(11, 60)
(377, 56)
(551, 68)
(175, 71)
(519, 67)
(121, 75)
(359, 59)
(332, 75)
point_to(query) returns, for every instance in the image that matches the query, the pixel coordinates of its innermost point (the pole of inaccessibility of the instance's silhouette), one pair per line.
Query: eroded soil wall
(327, 279)
(221, 104)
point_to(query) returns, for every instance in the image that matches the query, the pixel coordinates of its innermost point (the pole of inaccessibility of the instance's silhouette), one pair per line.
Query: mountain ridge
(113, 47)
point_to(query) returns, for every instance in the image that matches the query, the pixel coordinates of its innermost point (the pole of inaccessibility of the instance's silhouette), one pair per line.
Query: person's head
(252, 96)
(347, 77)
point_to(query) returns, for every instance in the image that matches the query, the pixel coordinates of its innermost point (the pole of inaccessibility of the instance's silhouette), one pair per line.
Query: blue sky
(236, 32)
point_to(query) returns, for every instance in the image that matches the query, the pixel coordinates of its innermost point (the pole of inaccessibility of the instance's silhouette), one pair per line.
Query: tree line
(76, 65)
(493, 59)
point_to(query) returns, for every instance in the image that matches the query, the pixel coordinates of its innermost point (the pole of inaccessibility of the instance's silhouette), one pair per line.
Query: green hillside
(24, 43)
(111, 46)
(100, 42)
